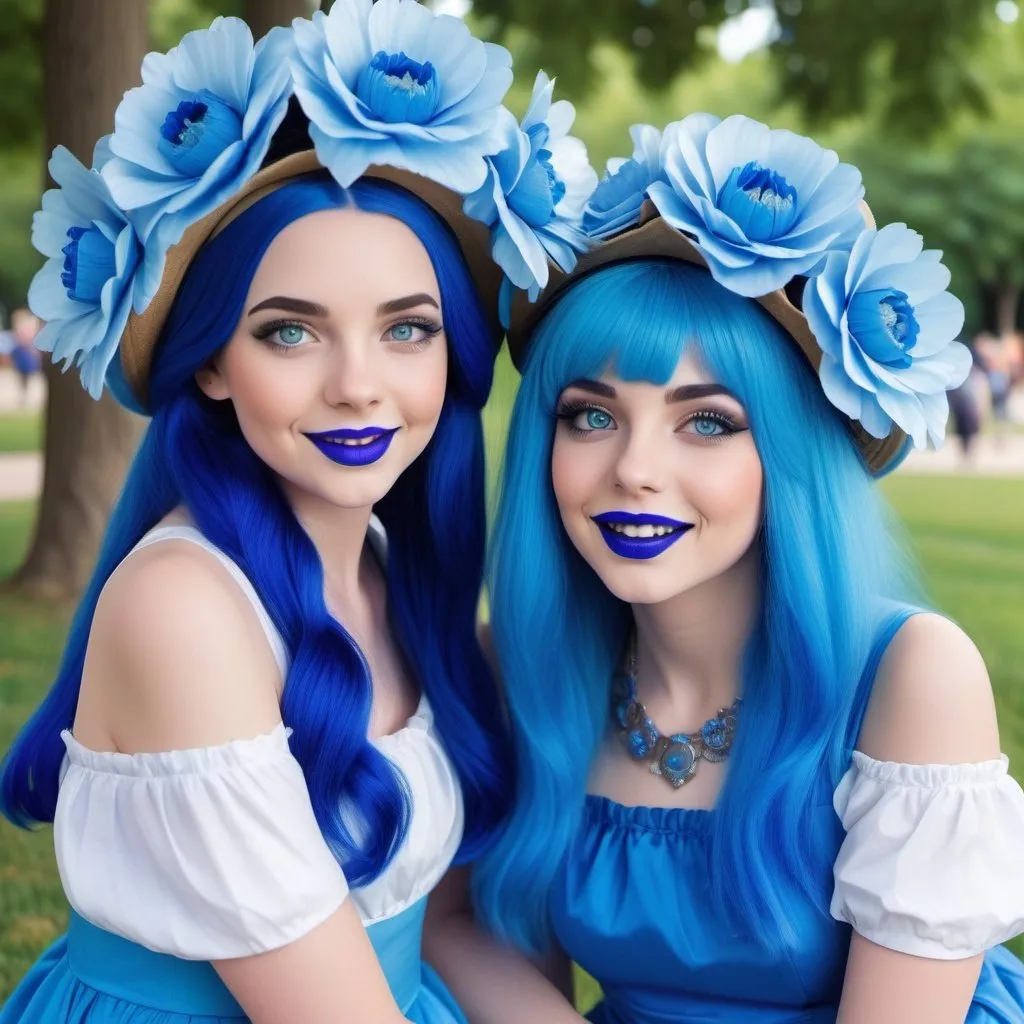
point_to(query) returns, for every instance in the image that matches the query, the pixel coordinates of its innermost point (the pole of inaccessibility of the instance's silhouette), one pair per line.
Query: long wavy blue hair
(194, 454)
(828, 571)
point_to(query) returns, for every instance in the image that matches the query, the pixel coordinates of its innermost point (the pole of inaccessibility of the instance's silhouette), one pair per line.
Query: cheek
(421, 385)
(732, 494)
(576, 474)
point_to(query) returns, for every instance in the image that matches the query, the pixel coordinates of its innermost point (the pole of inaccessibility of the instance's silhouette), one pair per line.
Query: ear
(211, 382)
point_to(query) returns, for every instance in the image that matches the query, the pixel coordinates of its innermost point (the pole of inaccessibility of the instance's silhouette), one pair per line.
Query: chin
(642, 586)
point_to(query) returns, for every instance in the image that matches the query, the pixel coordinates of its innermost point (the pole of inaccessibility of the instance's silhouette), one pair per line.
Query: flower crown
(387, 89)
(777, 218)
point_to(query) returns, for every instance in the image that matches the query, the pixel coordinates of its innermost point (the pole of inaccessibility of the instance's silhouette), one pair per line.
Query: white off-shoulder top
(933, 859)
(215, 853)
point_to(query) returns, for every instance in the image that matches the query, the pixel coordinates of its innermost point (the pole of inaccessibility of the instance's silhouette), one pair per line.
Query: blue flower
(534, 195)
(763, 206)
(92, 278)
(615, 204)
(886, 324)
(392, 83)
(197, 128)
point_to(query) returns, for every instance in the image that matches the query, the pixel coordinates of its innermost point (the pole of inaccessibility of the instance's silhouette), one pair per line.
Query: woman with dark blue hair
(756, 782)
(273, 729)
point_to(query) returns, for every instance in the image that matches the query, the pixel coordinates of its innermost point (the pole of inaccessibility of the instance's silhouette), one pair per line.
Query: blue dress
(90, 976)
(632, 907)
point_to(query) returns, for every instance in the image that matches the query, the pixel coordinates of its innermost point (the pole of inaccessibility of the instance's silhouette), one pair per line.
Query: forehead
(343, 256)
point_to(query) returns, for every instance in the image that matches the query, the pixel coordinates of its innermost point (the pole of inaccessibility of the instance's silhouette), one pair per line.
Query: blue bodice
(632, 907)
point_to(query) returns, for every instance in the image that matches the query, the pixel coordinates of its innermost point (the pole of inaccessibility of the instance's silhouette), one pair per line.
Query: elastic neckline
(930, 776)
(695, 821)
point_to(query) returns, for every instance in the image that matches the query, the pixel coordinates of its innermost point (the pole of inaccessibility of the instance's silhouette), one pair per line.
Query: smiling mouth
(639, 535)
(361, 447)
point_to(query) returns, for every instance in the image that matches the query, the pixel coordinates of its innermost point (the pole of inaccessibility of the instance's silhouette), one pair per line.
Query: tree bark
(263, 15)
(92, 53)
(1007, 302)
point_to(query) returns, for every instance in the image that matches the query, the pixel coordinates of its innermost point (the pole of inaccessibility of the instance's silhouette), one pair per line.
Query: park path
(21, 474)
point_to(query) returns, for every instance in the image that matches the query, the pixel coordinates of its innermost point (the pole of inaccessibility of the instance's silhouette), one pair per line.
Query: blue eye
(291, 335)
(411, 332)
(584, 419)
(707, 427)
(710, 425)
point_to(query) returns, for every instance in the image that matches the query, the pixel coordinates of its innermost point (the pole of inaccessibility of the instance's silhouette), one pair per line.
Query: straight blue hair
(829, 569)
(194, 454)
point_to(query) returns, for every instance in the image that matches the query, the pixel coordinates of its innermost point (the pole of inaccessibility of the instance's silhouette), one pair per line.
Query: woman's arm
(931, 704)
(493, 983)
(177, 660)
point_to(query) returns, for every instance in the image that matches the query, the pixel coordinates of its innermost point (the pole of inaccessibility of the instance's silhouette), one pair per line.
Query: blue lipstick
(332, 444)
(664, 533)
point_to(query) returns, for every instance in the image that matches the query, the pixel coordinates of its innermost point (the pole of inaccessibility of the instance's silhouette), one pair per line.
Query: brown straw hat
(652, 238)
(142, 332)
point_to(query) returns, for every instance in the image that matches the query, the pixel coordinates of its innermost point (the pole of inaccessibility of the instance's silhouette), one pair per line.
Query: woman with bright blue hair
(273, 729)
(756, 781)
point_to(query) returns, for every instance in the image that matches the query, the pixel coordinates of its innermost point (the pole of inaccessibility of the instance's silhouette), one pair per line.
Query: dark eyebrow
(285, 302)
(688, 392)
(397, 305)
(595, 387)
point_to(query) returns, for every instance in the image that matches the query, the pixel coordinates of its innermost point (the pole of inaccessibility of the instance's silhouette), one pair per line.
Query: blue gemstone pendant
(677, 761)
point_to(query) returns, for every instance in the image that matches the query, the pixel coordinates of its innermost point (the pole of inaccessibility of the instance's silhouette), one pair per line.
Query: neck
(689, 649)
(339, 536)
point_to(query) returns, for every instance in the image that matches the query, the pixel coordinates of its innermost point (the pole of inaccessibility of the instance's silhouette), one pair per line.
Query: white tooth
(659, 531)
(630, 530)
(645, 530)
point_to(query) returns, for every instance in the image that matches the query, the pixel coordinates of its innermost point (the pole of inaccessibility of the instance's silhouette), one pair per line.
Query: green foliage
(827, 58)
(21, 172)
(21, 47)
(21, 54)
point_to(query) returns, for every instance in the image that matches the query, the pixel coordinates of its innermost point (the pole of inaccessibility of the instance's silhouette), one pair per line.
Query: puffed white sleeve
(933, 859)
(206, 854)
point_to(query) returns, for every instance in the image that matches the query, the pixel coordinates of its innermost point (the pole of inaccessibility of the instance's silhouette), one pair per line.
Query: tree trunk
(1007, 302)
(92, 53)
(263, 15)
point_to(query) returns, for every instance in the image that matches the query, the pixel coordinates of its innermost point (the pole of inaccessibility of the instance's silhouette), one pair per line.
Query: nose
(639, 467)
(351, 379)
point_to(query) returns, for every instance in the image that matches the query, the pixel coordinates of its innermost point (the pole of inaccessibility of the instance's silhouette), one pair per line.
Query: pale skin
(684, 450)
(177, 658)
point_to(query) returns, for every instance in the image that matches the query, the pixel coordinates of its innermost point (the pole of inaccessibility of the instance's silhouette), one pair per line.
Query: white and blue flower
(762, 205)
(394, 84)
(886, 324)
(197, 128)
(615, 204)
(533, 199)
(91, 279)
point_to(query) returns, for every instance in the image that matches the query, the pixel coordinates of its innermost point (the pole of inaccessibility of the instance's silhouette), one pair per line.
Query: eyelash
(266, 331)
(569, 409)
(429, 327)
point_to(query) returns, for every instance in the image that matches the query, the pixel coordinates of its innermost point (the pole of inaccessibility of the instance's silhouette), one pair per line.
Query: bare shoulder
(177, 657)
(932, 700)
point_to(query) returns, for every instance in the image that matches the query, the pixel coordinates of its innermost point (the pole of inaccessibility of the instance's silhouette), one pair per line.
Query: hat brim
(142, 331)
(653, 238)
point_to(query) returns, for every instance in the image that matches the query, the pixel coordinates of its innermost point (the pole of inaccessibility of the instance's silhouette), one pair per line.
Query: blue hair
(194, 454)
(828, 568)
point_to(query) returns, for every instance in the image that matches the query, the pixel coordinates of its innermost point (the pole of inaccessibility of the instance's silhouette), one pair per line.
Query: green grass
(21, 432)
(968, 534)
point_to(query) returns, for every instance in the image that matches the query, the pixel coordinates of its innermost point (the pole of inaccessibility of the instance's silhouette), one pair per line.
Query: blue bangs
(828, 573)
(194, 455)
